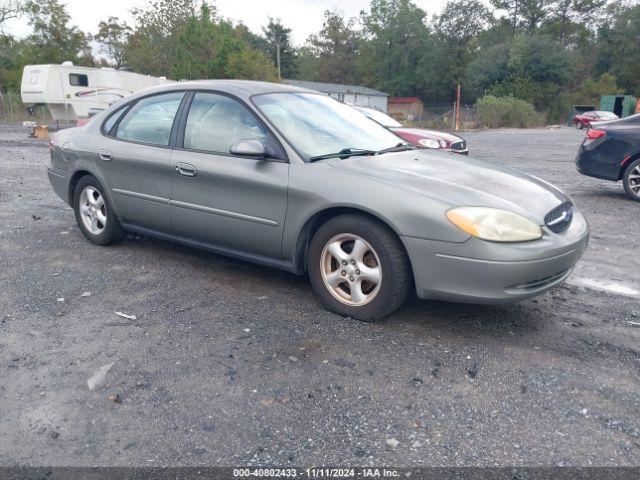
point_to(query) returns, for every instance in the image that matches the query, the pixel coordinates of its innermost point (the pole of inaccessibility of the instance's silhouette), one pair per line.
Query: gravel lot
(231, 364)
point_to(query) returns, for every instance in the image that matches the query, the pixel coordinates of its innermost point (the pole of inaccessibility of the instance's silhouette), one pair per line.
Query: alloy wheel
(93, 210)
(633, 181)
(351, 269)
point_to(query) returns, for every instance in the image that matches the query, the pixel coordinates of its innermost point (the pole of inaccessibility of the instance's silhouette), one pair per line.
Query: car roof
(239, 88)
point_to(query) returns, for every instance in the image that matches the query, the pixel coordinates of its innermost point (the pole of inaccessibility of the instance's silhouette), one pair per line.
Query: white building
(70, 91)
(350, 94)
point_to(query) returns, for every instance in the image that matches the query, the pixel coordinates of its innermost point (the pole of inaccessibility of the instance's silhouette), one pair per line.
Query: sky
(302, 16)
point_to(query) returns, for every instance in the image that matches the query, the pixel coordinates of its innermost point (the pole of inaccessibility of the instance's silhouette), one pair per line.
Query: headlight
(494, 224)
(429, 143)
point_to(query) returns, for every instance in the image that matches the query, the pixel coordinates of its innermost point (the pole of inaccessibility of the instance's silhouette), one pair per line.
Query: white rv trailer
(70, 91)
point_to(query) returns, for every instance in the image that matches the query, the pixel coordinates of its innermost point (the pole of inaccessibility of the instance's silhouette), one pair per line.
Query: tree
(489, 67)
(591, 90)
(462, 20)
(457, 29)
(399, 47)
(523, 15)
(512, 7)
(173, 38)
(617, 50)
(10, 9)
(53, 39)
(151, 47)
(113, 36)
(336, 48)
(278, 40)
(567, 17)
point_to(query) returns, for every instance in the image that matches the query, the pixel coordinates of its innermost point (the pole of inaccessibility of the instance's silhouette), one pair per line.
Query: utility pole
(278, 59)
(458, 108)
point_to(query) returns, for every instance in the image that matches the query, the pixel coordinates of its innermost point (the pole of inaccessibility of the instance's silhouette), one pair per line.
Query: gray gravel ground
(229, 363)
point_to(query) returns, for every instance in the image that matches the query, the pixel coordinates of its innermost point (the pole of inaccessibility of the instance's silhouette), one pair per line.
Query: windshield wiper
(344, 153)
(401, 147)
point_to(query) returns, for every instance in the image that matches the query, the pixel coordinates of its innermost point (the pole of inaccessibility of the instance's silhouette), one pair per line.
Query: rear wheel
(631, 180)
(358, 268)
(94, 214)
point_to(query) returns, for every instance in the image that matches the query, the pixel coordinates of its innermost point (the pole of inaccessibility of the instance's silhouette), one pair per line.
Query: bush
(496, 112)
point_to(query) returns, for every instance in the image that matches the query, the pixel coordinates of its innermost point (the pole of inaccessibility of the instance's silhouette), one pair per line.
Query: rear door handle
(105, 155)
(186, 169)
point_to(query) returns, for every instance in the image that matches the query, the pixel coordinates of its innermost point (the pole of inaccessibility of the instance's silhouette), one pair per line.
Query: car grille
(559, 219)
(461, 145)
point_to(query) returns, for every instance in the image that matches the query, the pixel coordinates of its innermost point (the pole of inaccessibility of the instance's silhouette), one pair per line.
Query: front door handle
(105, 155)
(186, 169)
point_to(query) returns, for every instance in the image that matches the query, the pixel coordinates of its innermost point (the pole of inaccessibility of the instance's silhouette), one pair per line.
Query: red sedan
(584, 119)
(418, 136)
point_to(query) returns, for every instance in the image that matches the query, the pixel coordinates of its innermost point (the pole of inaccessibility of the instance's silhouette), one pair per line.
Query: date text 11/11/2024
(316, 472)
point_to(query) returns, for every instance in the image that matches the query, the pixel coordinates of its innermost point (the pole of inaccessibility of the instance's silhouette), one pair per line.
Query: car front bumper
(478, 271)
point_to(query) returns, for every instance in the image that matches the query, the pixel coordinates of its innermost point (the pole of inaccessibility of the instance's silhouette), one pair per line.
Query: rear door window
(150, 120)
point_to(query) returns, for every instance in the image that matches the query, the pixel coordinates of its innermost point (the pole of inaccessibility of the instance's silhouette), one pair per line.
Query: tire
(107, 229)
(631, 180)
(383, 253)
(579, 125)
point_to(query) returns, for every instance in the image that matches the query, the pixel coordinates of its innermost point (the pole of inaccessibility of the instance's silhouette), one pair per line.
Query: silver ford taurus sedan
(290, 178)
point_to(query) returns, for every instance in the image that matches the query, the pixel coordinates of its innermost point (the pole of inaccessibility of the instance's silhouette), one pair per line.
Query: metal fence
(443, 116)
(12, 110)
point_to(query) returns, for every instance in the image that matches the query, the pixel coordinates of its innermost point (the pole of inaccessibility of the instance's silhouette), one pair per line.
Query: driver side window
(215, 122)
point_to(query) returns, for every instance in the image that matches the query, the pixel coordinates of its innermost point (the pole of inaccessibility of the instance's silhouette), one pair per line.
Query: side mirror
(249, 148)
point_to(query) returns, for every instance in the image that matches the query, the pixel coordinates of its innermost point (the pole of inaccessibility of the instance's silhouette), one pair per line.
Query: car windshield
(315, 124)
(381, 117)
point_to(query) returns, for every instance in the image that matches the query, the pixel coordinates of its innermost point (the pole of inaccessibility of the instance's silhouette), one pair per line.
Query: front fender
(314, 188)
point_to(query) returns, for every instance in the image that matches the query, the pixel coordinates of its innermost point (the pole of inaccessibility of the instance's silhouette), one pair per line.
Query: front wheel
(94, 214)
(579, 125)
(358, 268)
(631, 181)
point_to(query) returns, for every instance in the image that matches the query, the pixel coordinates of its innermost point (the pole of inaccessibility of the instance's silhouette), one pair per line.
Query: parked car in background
(611, 151)
(418, 137)
(585, 119)
(92, 113)
(291, 178)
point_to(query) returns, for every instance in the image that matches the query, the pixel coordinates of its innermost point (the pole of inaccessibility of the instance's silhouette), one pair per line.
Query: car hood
(421, 132)
(459, 181)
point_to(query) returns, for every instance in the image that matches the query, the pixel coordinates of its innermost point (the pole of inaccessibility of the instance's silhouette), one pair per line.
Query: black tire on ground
(579, 125)
(112, 231)
(396, 282)
(632, 169)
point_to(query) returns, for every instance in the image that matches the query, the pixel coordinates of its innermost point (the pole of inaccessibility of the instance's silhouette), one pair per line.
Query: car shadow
(416, 314)
(616, 194)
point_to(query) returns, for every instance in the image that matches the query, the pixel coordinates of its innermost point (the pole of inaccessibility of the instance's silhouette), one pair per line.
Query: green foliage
(176, 39)
(113, 36)
(10, 64)
(497, 112)
(399, 44)
(336, 49)
(53, 39)
(591, 90)
(618, 49)
(488, 68)
(540, 59)
(548, 53)
(277, 36)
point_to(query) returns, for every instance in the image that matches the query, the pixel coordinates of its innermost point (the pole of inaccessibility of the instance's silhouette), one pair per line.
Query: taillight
(592, 133)
(51, 144)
